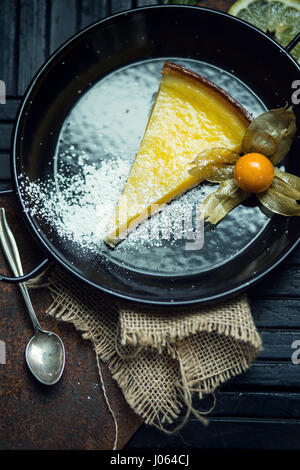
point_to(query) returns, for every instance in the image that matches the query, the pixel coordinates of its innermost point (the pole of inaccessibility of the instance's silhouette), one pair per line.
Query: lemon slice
(279, 17)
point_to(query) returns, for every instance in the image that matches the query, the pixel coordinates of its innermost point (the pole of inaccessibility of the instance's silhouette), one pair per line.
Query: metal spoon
(45, 352)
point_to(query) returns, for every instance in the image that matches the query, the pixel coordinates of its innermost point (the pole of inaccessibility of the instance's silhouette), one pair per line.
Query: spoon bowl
(45, 357)
(45, 352)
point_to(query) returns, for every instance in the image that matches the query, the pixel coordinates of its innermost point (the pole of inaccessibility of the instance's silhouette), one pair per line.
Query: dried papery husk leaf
(278, 203)
(219, 174)
(212, 200)
(284, 188)
(271, 134)
(213, 164)
(219, 203)
(214, 155)
(214, 173)
(257, 141)
(292, 180)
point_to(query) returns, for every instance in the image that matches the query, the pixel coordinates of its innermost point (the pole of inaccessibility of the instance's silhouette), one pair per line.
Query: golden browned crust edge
(170, 68)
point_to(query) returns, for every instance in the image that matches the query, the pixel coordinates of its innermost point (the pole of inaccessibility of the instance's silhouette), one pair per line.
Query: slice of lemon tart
(190, 114)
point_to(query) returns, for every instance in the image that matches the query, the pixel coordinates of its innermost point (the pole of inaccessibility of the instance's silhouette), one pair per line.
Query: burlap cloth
(159, 360)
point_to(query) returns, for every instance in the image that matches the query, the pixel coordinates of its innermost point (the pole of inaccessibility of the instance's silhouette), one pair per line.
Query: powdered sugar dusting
(79, 207)
(95, 151)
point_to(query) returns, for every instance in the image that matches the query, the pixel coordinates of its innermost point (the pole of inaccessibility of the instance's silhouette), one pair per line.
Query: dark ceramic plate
(102, 65)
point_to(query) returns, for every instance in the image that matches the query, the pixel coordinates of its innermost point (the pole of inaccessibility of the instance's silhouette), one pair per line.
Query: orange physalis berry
(254, 173)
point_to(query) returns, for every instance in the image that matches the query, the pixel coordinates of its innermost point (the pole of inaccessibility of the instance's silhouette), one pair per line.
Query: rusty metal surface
(72, 414)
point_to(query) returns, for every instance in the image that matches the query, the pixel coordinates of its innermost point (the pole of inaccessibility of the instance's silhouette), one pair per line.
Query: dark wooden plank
(253, 404)
(5, 173)
(277, 344)
(283, 375)
(222, 433)
(92, 10)
(63, 22)
(8, 56)
(120, 5)
(5, 135)
(281, 283)
(278, 313)
(143, 3)
(32, 40)
(294, 257)
(8, 110)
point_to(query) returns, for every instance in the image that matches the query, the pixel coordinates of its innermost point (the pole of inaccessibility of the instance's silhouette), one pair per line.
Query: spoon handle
(12, 255)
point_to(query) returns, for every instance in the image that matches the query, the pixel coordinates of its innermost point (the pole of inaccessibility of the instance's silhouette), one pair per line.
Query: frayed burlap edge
(68, 312)
(188, 383)
(153, 339)
(203, 319)
(211, 383)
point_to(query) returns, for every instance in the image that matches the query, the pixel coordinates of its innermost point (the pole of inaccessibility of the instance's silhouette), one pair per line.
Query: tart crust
(190, 113)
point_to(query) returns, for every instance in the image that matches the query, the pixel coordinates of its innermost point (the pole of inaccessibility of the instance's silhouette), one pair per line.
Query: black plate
(249, 245)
